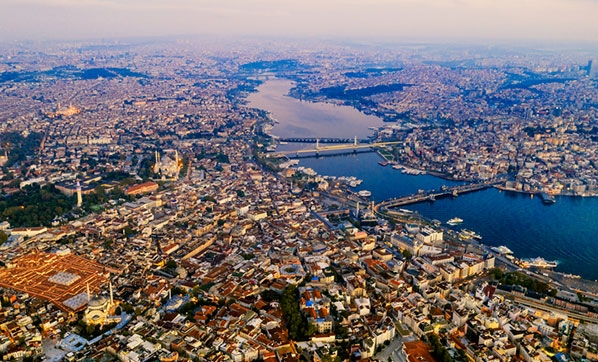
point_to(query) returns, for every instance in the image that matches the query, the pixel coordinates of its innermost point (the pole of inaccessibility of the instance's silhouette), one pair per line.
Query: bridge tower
(355, 141)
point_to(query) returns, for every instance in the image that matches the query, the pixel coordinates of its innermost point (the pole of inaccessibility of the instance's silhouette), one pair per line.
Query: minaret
(88, 293)
(357, 210)
(176, 163)
(79, 196)
(157, 164)
(111, 295)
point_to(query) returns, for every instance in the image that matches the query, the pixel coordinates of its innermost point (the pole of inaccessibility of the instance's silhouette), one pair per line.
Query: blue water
(565, 231)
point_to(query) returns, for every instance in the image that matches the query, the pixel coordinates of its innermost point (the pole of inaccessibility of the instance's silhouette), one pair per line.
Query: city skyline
(428, 20)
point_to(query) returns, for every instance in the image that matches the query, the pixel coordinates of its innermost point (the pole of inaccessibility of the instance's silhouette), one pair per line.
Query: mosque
(168, 166)
(98, 308)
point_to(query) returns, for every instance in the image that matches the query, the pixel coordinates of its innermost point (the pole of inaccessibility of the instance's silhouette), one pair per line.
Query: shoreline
(444, 176)
(590, 285)
(388, 157)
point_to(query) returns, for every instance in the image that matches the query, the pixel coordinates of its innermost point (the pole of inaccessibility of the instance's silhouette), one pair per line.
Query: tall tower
(111, 295)
(157, 164)
(79, 196)
(176, 164)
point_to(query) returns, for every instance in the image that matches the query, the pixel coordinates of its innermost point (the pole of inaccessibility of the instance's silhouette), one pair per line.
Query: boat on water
(364, 193)
(547, 198)
(572, 276)
(354, 182)
(464, 235)
(539, 262)
(502, 250)
(455, 221)
(471, 234)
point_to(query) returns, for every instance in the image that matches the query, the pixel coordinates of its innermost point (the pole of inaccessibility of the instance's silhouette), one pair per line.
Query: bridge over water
(340, 147)
(323, 140)
(434, 194)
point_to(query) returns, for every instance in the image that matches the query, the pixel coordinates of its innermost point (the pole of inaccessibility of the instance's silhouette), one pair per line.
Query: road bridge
(433, 195)
(322, 140)
(340, 147)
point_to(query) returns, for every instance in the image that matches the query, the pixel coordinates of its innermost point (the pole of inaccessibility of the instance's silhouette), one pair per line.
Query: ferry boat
(572, 276)
(471, 234)
(547, 198)
(455, 221)
(364, 193)
(502, 250)
(464, 235)
(539, 262)
(354, 183)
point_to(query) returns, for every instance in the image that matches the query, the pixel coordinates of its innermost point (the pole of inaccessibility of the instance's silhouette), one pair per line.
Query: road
(394, 350)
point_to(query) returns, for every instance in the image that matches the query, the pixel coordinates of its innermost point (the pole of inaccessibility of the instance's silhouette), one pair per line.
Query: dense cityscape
(147, 215)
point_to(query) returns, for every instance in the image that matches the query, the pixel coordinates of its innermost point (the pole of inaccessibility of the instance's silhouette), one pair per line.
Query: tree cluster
(439, 351)
(518, 278)
(19, 147)
(35, 206)
(297, 325)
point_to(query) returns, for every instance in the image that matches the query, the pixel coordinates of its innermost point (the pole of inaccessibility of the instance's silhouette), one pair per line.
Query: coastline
(444, 176)
(388, 157)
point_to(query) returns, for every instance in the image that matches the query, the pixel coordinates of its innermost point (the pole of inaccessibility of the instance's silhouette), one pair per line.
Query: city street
(394, 350)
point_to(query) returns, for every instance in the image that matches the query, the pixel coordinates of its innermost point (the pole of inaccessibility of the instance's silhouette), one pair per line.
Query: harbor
(563, 231)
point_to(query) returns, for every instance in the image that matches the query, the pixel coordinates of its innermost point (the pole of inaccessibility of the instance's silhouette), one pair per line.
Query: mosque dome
(97, 301)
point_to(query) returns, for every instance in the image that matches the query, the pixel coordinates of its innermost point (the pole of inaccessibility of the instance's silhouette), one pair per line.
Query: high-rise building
(593, 67)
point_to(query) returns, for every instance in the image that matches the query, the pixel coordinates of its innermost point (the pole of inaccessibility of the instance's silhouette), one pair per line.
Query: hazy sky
(401, 19)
